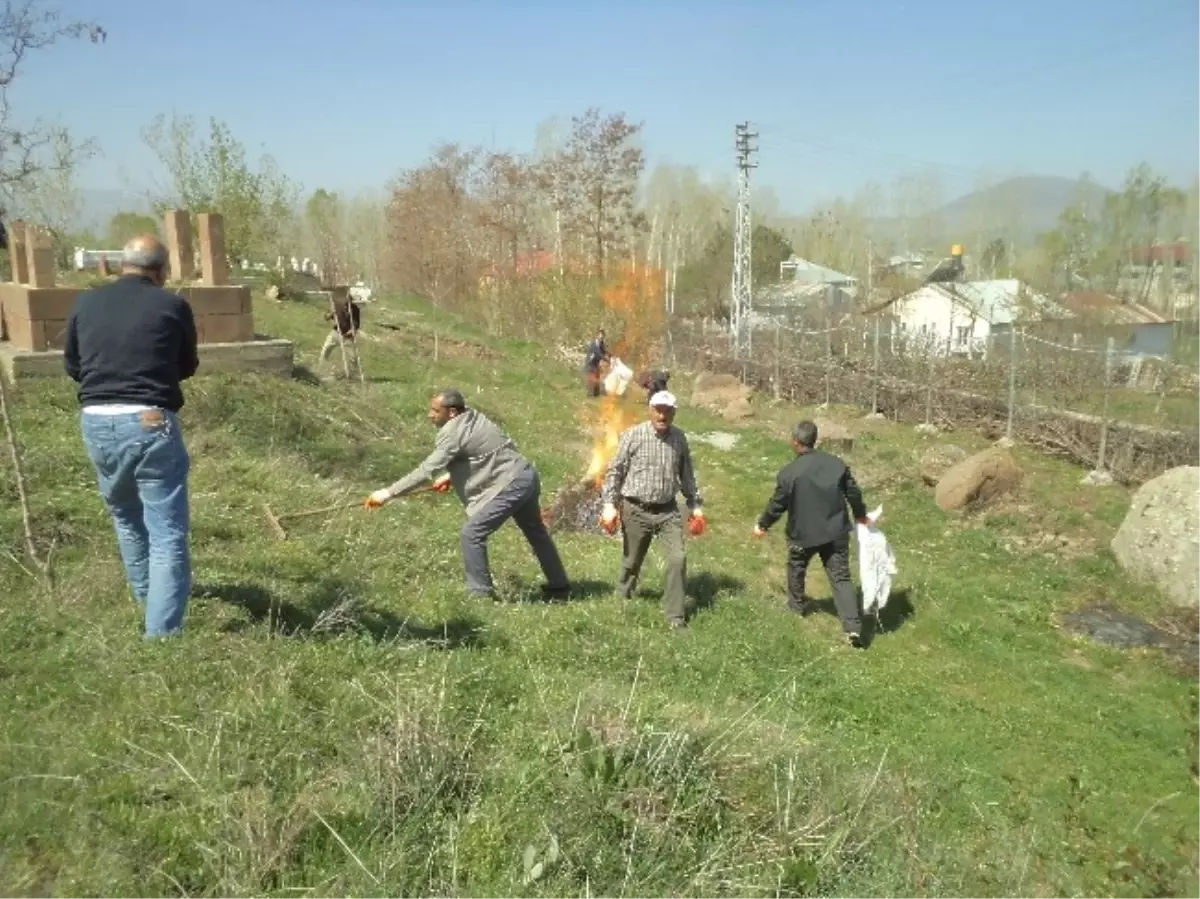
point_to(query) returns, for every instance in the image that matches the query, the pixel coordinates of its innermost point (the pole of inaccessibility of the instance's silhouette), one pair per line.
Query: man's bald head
(145, 255)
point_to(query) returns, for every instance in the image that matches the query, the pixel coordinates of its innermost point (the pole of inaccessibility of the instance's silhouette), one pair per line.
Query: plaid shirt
(652, 469)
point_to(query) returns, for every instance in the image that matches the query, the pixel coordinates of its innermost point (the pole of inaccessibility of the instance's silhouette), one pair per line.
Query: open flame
(634, 299)
(613, 417)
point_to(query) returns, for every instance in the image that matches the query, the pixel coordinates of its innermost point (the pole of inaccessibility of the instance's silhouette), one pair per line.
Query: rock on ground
(1159, 540)
(937, 460)
(978, 479)
(722, 440)
(716, 392)
(833, 437)
(738, 409)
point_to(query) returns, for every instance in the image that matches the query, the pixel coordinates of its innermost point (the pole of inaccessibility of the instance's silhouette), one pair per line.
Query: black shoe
(856, 641)
(679, 626)
(556, 594)
(803, 607)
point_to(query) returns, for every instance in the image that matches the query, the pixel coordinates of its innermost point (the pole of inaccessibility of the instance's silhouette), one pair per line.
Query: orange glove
(609, 519)
(697, 523)
(442, 484)
(377, 499)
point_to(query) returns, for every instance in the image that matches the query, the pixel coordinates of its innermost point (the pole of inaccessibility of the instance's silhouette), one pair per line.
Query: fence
(1130, 416)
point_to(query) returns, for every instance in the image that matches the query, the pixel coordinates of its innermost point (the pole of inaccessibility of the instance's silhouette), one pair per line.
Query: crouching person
(814, 490)
(495, 483)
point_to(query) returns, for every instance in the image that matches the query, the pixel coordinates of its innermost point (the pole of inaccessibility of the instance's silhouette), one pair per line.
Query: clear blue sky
(842, 91)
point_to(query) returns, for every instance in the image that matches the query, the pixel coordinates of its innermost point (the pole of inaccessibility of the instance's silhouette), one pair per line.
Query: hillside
(1019, 208)
(340, 719)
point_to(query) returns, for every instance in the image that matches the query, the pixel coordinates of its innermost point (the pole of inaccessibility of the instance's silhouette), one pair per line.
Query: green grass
(340, 719)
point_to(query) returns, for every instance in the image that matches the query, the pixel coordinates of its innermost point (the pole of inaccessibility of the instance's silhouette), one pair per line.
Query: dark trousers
(639, 526)
(835, 556)
(593, 383)
(520, 501)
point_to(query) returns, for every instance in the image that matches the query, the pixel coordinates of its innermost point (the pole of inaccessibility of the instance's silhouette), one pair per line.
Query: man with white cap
(652, 465)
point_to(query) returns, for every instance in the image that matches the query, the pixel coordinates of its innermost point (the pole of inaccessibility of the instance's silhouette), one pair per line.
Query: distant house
(809, 273)
(1159, 275)
(807, 305)
(1095, 317)
(960, 319)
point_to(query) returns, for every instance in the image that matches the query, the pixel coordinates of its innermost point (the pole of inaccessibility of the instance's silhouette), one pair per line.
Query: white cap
(663, 398)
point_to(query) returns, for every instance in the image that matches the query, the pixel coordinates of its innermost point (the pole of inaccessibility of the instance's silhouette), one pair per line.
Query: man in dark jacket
(346, 316)
(596, 354)
(814, 490)
(128, 345)
(653, 381)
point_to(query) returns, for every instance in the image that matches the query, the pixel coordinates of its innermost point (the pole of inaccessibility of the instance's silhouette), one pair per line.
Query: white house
(958, 318)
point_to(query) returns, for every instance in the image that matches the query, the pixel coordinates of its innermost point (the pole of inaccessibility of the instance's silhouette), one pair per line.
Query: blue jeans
(142, 467)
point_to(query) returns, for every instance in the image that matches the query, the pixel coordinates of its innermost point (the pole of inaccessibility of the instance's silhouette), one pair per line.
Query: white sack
(876, 564)
(616, 382)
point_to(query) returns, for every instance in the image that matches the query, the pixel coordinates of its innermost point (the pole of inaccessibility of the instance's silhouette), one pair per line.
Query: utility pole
(740, 298)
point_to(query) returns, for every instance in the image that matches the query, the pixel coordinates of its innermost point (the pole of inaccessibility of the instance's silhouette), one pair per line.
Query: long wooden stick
(19, 475)
(276, 520)
(322, 511)
(338, 327)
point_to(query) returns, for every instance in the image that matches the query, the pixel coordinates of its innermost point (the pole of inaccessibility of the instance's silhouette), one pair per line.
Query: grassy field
(340, 719)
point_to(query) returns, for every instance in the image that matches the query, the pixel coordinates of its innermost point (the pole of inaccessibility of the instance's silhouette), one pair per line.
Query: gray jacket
(481, 459)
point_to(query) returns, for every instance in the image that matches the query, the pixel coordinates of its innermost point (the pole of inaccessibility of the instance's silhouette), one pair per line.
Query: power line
(741, 296)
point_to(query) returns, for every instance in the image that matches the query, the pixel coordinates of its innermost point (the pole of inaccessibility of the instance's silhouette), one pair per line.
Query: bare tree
(506, 187)
(49, 196)
(602, 166)
(26, 150)
(432, 218)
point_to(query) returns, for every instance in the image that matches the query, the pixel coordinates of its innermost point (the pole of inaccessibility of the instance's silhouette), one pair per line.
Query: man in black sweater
(814, 489)
(129, 344)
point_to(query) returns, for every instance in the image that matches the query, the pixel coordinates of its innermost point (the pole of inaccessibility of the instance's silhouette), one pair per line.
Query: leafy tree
(126, 225)
(706, 282)
(212, 174)
(1093, 244)
(323, 217)
(994, 258)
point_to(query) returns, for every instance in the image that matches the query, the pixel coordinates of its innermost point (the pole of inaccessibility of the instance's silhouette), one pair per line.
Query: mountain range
(1018, 209)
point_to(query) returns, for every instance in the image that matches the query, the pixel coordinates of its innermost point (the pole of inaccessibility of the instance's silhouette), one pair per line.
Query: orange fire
(613, 415)
(634, 299)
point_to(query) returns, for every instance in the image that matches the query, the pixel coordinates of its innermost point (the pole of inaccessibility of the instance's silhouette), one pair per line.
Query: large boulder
(833, 437)
(937, 460)
(978, 479)
(738, 410)
(718, 392)
(1159, 540)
